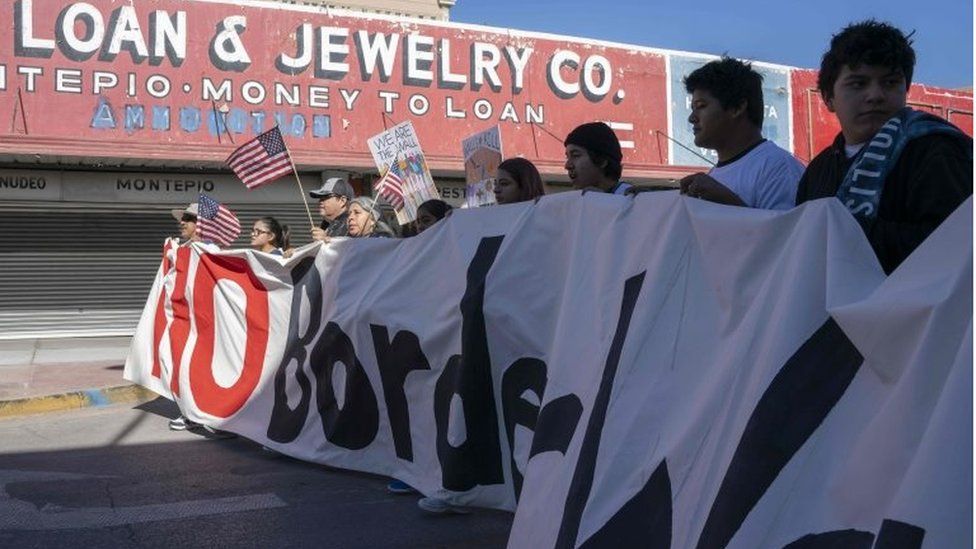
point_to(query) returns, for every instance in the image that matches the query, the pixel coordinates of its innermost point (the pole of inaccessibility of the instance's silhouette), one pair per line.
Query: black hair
(277, 230)
(285, 237)
(869, 42)
(733, 83)
(408, 230)
(435, 207)
(613, 168)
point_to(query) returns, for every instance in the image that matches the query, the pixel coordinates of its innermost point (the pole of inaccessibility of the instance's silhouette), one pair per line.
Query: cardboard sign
(482, 155)
(400, 145)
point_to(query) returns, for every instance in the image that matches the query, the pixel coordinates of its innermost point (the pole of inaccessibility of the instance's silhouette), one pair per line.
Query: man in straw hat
(187, 219)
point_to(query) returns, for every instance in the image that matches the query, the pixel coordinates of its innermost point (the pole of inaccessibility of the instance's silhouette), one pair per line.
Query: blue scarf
(861, 189)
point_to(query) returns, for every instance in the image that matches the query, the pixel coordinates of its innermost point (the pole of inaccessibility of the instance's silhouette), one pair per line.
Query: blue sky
(789, 32)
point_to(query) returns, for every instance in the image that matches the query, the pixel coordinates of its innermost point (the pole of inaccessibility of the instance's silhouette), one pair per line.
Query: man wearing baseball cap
(593, 159)
(334, 196)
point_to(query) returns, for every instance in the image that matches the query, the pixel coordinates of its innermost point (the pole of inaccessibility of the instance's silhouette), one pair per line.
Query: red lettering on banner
(179, 330)
(159, 325)
(208, 395)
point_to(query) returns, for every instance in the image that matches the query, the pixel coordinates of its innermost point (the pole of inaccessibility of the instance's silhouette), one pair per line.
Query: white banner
(653, 370)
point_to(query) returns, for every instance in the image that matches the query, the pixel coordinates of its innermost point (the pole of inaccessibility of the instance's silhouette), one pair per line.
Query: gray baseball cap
(334, 186)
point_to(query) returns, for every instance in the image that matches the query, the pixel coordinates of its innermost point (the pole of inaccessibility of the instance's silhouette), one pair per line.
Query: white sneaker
(182, 424)
(439, 506)
(218, 433)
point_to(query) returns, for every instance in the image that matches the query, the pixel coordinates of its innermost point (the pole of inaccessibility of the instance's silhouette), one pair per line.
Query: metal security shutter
(80, 269)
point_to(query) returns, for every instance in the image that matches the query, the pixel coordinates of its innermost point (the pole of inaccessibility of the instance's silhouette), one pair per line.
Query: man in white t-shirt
(726, 115)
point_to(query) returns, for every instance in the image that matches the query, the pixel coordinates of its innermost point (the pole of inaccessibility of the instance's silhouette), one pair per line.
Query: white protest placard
(401, 146)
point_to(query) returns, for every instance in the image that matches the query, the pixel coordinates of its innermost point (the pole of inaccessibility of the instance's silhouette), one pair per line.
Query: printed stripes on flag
(261, 160)
(216, 223)
(390, 188)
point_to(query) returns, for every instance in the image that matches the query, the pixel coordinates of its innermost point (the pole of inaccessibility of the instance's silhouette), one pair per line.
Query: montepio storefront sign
(137, 187)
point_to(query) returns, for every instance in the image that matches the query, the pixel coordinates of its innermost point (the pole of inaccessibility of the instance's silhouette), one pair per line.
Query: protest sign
(399, 146)
(482, 155)
(723, 377)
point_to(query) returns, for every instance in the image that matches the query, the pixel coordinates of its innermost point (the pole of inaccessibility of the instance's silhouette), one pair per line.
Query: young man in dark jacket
(594, 159)
(900, 172)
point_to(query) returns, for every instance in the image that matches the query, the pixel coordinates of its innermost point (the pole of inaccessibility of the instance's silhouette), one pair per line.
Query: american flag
(216, 223)
(261, 160)
(390, 187)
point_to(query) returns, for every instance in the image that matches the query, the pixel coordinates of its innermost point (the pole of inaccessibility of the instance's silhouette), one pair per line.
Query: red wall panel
(127, 120)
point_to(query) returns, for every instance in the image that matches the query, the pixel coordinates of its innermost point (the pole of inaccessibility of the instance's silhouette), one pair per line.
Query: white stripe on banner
(658, 372)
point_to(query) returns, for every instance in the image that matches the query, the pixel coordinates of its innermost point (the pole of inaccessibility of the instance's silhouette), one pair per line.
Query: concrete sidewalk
(37, 388)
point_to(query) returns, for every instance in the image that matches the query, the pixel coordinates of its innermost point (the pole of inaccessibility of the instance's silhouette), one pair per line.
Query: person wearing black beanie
(593, 158)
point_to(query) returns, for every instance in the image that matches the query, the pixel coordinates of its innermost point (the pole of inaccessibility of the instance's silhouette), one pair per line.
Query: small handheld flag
(390, 188)
(261, 160)
(216, 223)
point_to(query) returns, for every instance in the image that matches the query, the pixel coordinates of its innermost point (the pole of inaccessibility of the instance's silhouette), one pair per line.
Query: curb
(86, 398)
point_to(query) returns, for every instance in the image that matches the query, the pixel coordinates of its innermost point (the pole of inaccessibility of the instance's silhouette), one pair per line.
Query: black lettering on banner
(579, 488)
(894, 535)
(556, 425)
(525, 374)
(286, 423)
(395, 360)
(838, 539)
(553, 426)
(789, 411)
(477, 461)
(354, 426)
(644, 521)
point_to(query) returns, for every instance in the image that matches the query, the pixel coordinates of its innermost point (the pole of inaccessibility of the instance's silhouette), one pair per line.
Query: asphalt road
(118, 477)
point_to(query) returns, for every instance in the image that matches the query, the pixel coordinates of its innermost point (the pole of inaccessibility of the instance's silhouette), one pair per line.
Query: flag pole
(302, 191)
